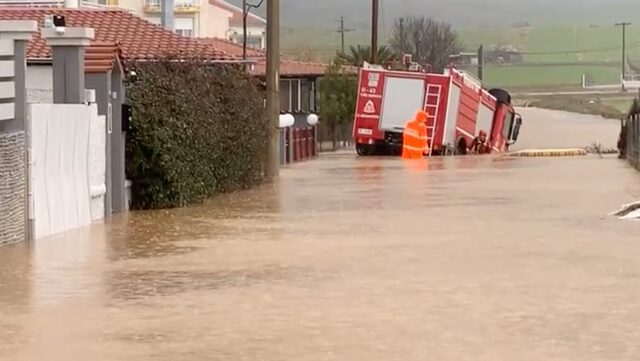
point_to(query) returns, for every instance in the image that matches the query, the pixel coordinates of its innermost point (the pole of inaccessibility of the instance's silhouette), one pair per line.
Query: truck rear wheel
(365, 149)
(501, 95)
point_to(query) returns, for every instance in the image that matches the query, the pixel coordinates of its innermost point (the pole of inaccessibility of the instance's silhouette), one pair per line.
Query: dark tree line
(430, 42)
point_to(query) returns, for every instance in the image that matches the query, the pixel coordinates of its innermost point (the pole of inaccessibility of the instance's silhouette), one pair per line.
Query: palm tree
(357, 55)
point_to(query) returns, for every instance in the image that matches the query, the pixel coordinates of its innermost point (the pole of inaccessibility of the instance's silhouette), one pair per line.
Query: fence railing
(631, 133)
(300, 144)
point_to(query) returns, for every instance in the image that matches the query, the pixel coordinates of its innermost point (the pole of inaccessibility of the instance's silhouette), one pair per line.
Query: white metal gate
(61, 157)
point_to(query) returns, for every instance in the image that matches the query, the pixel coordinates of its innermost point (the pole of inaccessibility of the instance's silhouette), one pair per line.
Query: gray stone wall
(12, 188)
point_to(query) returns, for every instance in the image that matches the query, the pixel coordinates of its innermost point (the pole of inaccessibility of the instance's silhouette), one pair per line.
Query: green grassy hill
(581, 49)
(554, 54)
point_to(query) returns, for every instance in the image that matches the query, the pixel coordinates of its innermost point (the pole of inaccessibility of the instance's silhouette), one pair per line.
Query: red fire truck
(458, 107)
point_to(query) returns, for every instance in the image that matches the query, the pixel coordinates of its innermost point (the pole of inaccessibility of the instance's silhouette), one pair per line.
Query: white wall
(97, 164)
(68, 151)
(39, 80)
(214, 22)
(136, 5)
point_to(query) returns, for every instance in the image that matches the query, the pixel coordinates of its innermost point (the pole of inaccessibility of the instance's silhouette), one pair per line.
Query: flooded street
(348, 258)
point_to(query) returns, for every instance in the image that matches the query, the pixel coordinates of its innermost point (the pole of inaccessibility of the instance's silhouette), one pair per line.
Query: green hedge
(197, 129)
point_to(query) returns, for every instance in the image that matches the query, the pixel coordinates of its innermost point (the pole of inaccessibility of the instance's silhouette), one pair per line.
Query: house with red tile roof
(256, 25)
(298, 79)
(136, 39)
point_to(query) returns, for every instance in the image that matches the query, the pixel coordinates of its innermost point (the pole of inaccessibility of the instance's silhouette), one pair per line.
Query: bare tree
(428, 40)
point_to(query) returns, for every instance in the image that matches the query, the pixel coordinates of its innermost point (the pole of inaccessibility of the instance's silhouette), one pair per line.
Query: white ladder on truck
(432, 106)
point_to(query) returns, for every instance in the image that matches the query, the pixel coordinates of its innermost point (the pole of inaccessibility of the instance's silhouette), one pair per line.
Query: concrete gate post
(14, 35)
(14, 140)
(68, 62)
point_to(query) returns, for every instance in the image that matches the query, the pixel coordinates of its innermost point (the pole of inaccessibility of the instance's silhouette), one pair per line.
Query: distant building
(464, 59)
(256, 26)
(192, 18)
(504, 54)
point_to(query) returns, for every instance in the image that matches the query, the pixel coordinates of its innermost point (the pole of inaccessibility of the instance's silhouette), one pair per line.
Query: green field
(580, 49)
(548, 75)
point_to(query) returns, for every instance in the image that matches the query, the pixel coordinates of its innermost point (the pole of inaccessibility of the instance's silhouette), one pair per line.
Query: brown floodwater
(346, 258)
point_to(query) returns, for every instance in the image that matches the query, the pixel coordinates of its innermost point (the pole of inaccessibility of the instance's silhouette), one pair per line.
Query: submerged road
(474, 258)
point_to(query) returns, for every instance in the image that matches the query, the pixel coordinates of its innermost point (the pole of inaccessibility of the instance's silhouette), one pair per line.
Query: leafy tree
(428, 40)
(357, 55)
(338, 97)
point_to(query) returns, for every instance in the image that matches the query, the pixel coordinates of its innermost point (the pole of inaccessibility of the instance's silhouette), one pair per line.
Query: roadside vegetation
(197, 129)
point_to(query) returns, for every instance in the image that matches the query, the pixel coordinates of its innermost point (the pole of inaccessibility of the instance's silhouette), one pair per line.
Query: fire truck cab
(459, 109)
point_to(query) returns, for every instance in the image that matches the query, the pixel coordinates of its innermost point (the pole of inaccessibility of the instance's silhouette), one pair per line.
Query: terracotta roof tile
(292, 68)
(232, 48)
(101, 57)
(287, 67)
(138, 38)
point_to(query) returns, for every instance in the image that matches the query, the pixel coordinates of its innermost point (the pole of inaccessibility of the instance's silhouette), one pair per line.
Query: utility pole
(624, 49)
(375, 6)
(245, 14)
(481, 62)
(272, 168)
(342, 30)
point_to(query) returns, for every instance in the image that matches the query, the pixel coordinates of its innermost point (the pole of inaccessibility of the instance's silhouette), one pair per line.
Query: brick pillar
(68, 62)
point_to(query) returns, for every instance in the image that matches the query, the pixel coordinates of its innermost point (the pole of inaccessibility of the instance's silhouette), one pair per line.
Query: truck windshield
(508, 125)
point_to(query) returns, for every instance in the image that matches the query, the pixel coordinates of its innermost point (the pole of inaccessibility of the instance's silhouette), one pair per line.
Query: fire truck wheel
(365, 149)
(461, 147)
(501, 95)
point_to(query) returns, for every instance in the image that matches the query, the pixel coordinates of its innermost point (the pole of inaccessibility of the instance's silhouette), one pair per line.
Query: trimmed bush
(197, 129)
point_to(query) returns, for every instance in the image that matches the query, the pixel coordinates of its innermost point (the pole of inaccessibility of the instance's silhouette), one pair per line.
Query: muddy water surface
(350, 259)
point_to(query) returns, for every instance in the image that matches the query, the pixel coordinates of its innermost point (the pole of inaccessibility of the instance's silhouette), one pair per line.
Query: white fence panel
(61, 146)
(97, 166)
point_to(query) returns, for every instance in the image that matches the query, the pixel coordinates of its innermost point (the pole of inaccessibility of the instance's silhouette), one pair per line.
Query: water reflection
(15, 276)
(68, 266)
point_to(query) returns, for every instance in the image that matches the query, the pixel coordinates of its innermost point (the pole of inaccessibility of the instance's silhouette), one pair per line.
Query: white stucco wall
(214, 22)
(39, 84)
(136, 5)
